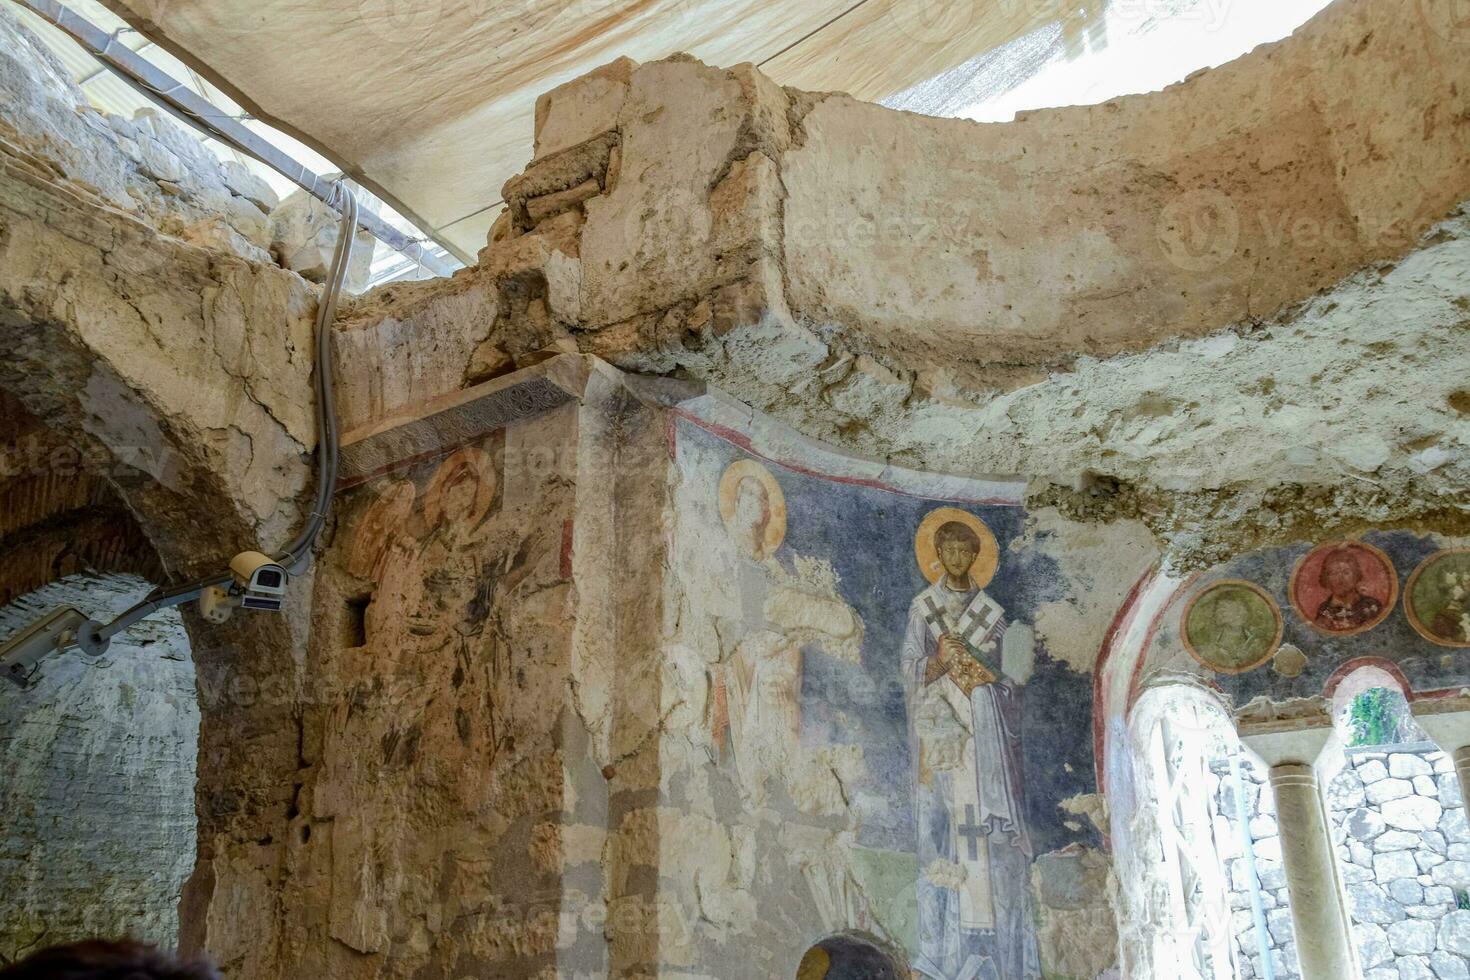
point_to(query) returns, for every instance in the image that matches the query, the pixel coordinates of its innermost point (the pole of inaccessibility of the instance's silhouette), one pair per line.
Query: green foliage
(1374, 718)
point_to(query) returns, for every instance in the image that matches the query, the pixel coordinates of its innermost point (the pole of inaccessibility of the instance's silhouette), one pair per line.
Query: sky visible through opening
(1083, 58)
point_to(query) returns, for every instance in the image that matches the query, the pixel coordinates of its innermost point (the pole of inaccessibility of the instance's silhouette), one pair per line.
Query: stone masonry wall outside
(1403, 848)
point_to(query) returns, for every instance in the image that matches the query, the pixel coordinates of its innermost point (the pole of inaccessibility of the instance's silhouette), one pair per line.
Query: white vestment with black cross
(975, 918)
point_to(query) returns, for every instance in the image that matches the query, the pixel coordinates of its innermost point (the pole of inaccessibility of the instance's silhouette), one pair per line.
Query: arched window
(850, 956)
(97, 769)
(97, 755)
(1203, 889)
(1398, 825)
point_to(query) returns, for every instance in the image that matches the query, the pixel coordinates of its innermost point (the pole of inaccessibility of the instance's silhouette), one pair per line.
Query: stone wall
(97, 779)
(1404, 852)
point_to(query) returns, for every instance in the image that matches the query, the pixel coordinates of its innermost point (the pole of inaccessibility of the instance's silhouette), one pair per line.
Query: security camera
(261, 579)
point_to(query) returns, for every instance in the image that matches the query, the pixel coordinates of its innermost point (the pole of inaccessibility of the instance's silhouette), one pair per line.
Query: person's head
(752, 510)
(98, 959)
(1231, 612)
(958, 547)
(460, 491)
(1340, 572)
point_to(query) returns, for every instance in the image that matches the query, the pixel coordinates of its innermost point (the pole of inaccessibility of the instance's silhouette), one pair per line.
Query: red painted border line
(736, 438)
(1121, 621)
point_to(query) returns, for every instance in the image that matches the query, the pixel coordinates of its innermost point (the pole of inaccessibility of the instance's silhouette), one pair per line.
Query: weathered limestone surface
(97, 782)
(175, 357)
(485, 744)
(1212, 296)
(148, 165)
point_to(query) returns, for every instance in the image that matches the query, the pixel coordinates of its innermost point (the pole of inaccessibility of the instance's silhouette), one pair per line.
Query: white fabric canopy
(431, 102)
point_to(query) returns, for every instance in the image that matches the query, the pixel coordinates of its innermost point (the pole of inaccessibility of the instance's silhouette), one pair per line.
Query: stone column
(1447, 721)
(1292, 747)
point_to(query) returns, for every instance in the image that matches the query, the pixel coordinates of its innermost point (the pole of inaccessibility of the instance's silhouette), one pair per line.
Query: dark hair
(955, 531)
(1339, 556)
(99, 959)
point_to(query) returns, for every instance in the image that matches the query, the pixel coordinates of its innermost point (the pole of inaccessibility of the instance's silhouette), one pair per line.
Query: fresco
(1437, 598)
(887, 635)
(1344, 587)
(1339, 602)
(1232, 626)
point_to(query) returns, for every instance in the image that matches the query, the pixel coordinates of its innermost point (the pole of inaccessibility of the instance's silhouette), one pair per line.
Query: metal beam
(199, 112)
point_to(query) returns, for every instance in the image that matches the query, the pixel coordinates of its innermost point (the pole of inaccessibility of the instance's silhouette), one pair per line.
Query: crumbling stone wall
(97, 779)
(482, 752)
(852, 272)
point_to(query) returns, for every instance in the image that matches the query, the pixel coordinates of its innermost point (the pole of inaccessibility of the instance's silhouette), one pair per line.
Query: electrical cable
(94, 637)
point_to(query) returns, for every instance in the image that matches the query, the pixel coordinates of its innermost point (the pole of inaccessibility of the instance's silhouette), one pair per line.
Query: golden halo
(775, 501)
(928, 556)
(466, 463)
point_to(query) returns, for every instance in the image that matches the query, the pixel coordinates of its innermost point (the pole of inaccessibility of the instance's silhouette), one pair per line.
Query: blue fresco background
(868, 536)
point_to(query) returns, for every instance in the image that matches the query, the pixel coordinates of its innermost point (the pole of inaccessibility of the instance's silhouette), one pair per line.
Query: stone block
(303, 234)
(1402, 765)
(1395, 840)
(1394, 864)
(1416, 813)
(1372, 944)
(1447, 787)
(1271, 874)
(1383, 790)
(1439, 895)
(1453, 874)
(159, 162)
(582, 108)
(1414, 968)
(1371, 770)
(1406, 892)
(1370, 903)
(1278, 924)
(1426, 786)
(1448, 966)
(1345, 792)
(1454, 933)
(1454, 826)
(243, 182)
(1412, 936)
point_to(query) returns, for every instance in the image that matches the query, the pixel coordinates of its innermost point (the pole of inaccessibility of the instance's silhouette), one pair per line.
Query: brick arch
(56, 517)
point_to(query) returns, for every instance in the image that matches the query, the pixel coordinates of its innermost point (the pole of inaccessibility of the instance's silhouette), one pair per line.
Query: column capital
(1292, 732)
(1446, 720)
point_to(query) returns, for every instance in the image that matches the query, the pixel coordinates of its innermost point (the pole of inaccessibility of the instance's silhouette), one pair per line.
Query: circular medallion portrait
(1437, 598)
(965, 533)
(753, 508)
(1231, 626)
(1344, 587)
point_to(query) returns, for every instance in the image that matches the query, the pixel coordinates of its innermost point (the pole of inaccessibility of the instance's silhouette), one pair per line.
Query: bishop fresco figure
(963, 666)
